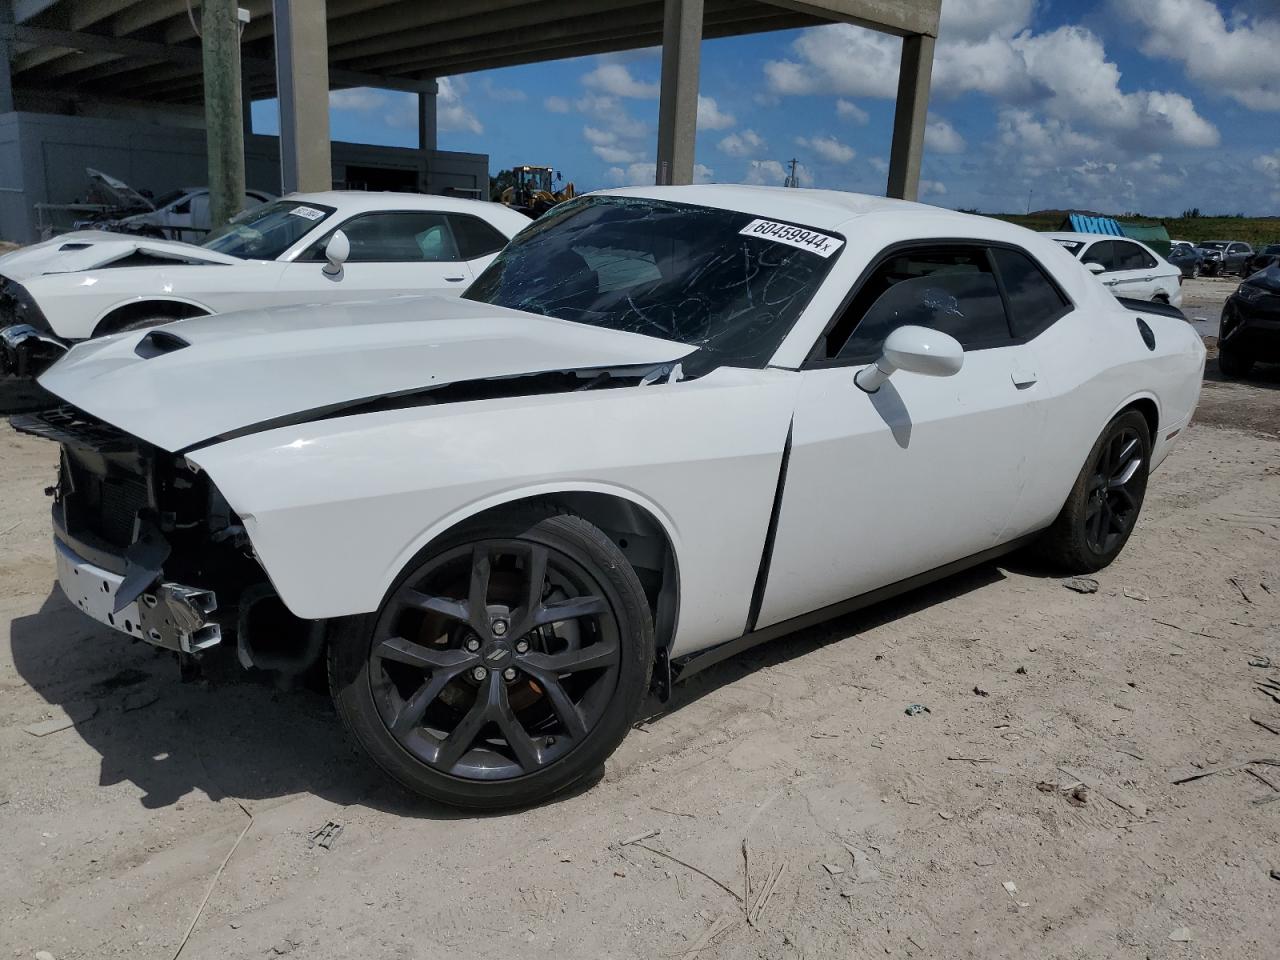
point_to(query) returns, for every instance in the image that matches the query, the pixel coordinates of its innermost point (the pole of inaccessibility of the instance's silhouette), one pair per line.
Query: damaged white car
(664, 425)
(305, 248)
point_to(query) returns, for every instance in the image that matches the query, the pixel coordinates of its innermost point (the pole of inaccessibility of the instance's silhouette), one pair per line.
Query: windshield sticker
(310, 213)
(819, 243)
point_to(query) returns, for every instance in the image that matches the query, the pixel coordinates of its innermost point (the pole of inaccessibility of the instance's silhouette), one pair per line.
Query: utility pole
(223, 108)
(792, 180)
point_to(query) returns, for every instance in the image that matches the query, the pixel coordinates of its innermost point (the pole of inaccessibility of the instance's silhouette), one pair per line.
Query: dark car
(1268, 256)
(1251, 324)
(1224, 256)
(1185, 257)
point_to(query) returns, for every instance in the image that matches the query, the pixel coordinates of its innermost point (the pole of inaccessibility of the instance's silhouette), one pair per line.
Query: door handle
(455, 279)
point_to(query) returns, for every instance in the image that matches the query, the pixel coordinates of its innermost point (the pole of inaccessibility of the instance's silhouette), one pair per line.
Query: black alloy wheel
(1106, 499)
(1115, 490)
(502, 667)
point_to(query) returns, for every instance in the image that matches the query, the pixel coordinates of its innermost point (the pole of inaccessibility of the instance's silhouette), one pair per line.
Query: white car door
(1123, 271)
(926, 471)
(391, 253)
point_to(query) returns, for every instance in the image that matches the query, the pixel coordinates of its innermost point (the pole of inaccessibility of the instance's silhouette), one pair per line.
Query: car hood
(190, 381)
(96, 249)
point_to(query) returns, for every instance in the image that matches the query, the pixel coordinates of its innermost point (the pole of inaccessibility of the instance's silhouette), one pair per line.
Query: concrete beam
(678, 97)
(223, 120)
(901, 17)
(302, 79)
(24, 10)
(910, 117)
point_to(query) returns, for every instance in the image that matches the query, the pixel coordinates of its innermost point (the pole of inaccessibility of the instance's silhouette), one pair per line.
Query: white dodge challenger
(663, 425)
(341, 245)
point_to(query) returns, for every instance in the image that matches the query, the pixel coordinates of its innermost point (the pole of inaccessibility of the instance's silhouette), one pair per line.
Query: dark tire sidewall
(350, 686)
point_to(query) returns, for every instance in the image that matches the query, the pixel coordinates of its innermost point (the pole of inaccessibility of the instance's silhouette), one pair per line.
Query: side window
(1130, 256)
(1239, 248)
(1102, 252)
(475, 237)
(1035, 301)
(401, 237)
(948, 289)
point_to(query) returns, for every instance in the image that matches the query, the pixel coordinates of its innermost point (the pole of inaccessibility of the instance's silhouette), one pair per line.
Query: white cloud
(828, 148)
(745, 144)
(504, 94)
(451, 113)
(636, 174)
(1240, 60)
(702, 173)
(614, 154)
(848, 110)
(1064, 73)
(773, 173)
(710, 117)
(1268, 164)
(879, 164)
(941, 137)
(599, 137)
(356, 98)
(615, 80)
(932, 186)
(556, 104)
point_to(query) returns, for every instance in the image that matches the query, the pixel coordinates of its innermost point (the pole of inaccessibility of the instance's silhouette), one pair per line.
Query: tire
(405, 682)
(1232, 364)
(1195, 272)
(1105, 501)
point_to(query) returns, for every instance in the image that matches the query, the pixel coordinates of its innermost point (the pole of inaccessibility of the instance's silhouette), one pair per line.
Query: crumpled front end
(144, 542)
(28, 345)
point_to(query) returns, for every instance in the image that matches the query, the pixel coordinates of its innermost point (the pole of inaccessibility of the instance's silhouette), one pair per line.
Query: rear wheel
(504, 666)
(1103, 507)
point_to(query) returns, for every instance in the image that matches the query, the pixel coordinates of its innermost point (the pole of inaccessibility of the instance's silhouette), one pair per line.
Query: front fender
(336, 508)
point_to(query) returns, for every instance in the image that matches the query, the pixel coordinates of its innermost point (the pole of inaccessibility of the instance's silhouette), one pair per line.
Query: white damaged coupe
(664, 425)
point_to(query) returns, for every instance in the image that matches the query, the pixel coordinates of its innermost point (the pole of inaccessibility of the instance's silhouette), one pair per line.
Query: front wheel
(1103, 507)
(503, 667)
(1233, 364)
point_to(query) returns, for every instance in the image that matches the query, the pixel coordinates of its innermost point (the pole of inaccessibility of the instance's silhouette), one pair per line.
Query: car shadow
(809, 640)
(19, 396)
(228, 734)
(237, 734)
(1264, 375)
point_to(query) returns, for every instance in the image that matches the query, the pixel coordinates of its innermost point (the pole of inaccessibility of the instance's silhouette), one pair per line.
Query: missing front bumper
(28, 352)
(170, 615)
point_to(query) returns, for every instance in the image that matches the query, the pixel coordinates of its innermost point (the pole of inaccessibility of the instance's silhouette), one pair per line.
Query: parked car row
(335, 246)
(659, 427)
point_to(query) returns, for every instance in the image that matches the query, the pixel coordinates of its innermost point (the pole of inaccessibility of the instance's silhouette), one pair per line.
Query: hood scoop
(159, 342)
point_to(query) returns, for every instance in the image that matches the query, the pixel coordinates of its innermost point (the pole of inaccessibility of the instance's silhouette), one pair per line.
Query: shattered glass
(671, 270)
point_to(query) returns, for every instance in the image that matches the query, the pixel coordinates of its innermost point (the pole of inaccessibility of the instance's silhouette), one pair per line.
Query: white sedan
(304, 248)
(665, 424)
(1127, 268)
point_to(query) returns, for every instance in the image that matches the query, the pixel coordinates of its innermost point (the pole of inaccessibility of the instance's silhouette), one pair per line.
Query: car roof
(824, 209)
(360, 200)
(1084, 237)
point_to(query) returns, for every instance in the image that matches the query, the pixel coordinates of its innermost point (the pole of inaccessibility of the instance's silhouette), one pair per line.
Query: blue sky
(1117, 105)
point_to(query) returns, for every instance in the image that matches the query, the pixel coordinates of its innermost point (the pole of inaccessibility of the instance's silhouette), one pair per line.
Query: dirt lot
(112, 830)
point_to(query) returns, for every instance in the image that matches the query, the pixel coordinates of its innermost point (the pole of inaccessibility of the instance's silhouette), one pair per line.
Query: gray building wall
(43, 157)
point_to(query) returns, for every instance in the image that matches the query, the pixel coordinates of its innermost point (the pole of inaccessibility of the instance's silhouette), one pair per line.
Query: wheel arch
(121, 314)
(638, 527)
(1146, 405)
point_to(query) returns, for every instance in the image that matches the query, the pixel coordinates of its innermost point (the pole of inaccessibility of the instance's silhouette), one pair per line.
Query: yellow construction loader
(531, 190)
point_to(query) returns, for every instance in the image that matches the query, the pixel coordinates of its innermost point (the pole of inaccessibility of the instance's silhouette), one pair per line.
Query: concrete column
(224, 124)
(678, 99)
(427, 116)
(246, 108)
(6, 56)
(302, 82)
(911, 116)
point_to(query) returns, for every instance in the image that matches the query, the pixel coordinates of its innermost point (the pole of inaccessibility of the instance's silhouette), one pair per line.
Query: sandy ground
(111, 831)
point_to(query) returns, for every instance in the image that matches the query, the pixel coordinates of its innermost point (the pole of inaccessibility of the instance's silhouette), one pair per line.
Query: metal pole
(223, 108)
(6, 55)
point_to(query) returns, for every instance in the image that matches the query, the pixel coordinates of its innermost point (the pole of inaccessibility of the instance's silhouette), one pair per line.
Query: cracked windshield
(727, 282)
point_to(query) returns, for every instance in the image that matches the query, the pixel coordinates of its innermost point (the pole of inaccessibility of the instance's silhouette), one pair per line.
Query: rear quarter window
(1035, 301)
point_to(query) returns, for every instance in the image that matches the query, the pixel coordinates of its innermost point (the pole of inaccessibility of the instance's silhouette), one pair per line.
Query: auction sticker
(811, 240)
(310, 213)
